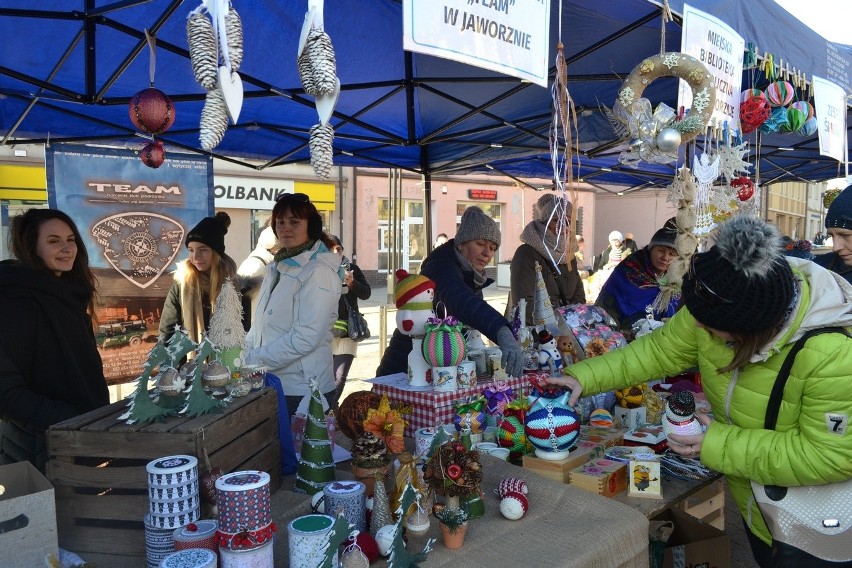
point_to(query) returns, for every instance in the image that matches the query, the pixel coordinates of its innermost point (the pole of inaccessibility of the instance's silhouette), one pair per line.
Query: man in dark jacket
(838, 221)
(458, 269)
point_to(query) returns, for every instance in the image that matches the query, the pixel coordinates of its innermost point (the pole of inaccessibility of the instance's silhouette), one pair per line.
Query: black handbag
(358, 328)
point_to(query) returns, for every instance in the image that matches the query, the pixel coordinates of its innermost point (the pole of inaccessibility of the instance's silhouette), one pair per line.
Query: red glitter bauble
(367, 544)
(152, 111)
(153, 154)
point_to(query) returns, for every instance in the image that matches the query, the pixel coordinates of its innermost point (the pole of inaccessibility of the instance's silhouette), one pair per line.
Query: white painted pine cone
(321, 54)
(306, 73)
(214, 120)
(202, 50)
(322, 152)
(234, 35)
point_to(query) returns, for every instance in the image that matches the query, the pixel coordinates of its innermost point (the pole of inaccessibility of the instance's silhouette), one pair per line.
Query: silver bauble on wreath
(668, 140)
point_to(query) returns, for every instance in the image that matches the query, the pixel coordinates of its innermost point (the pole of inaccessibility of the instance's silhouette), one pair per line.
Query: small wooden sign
(644, 479)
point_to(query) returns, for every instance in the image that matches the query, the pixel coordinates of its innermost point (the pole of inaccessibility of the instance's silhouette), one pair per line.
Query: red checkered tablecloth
(431, 408)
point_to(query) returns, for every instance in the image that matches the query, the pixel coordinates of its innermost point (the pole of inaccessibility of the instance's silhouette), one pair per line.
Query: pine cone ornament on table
(202, 50)
(320, 52)
(234, 37)
(322, 152)
(214, 120)
(369, 451)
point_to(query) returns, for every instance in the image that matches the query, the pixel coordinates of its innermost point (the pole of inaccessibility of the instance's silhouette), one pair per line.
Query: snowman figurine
(413, 296)
(680, 415)
(549, 357)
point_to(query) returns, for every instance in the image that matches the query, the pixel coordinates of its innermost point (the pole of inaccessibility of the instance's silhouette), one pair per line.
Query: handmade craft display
(226, 329)
(514, 505)
(680, 415)
(550, 424)
(371, 461)
(173, 491)
(347, 498)
(470, 415)
(308, 537)
(645, 479)
(511, 433)
(190, 558)
(158, 542)
(200, 534)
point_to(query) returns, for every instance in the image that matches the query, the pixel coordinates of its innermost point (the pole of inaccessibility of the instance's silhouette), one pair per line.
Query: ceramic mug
(444, 378)
(500, 453)
(466, 377)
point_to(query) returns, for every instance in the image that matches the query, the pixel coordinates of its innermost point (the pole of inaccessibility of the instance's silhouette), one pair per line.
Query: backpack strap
(784, 373)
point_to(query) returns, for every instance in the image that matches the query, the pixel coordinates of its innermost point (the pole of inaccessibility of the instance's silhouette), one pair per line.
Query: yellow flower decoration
(386, 424)
(646, 67)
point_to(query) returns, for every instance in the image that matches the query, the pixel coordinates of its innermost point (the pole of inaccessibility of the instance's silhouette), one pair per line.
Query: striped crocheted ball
(552, 427)
(805, 107)
(515, 484)
(444, 348)
(511, 435)
(600, 418)
(780, 93)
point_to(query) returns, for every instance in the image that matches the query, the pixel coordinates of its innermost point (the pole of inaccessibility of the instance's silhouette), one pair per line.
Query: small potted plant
(453, 523)
(370, 460)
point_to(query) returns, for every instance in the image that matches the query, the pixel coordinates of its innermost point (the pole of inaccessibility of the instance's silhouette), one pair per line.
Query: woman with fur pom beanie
(746, 306)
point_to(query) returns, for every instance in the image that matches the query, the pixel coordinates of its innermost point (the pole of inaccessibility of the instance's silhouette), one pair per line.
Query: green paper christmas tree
(399, 556)
(226, 327)
(340, 531)
(316, 467)
(141, 408)
(381, 508)
(179, 346)
(197, 401)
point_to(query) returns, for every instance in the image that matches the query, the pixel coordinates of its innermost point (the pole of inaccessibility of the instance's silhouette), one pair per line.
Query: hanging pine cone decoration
(214, 120)
(320, 52)
(306, 73)
(234, 36)
(151, 111)
(322, 153)
(202, 49)
(153, 154)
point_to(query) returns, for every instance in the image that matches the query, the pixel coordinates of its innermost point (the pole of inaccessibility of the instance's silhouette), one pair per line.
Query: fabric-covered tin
(158, 543)
(243, 501)
(200, 534)
(349, 498)
(260, 557)
(307, 536)
(190, 558)
(175, 521)
(172, 470)
(174, 506)
(183, 491)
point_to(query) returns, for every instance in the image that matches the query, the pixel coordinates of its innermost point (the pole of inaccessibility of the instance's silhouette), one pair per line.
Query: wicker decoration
(352, 412)
(214, 120)
(317, 66)
(322, 153)
(673, 64)
(453, 470)
(234, 37)
(202, 50)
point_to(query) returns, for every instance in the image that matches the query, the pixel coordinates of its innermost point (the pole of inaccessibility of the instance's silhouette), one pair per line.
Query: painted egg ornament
(512, 485)
(809, 128)
(668, 140)
(805, 107)
(780, 93)
(384, 538)
(600, 418)
(514, 505)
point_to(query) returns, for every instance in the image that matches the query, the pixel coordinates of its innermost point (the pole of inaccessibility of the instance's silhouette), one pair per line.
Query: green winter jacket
(807, 448)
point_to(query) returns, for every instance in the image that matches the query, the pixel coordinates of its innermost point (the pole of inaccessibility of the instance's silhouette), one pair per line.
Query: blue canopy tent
(68, 69)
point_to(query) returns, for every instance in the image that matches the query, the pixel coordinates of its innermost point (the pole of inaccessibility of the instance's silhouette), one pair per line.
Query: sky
(832, 19)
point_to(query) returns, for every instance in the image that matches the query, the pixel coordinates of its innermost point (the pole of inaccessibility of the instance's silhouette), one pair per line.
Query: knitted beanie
(666, 236)
(799, 249)
(616, 236)
(475, 225)
(743, 283)
(840, 211)
(548, 203)
(408, 286)
(211, 232)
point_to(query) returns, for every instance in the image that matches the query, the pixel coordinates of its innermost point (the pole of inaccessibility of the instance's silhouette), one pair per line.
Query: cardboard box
(694, 542)
(602, 476)
(707, 504)
(591, 444)
(432, 408)
(27, 517)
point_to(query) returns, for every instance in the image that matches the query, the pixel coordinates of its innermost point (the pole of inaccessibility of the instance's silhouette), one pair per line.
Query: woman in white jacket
(291, 327)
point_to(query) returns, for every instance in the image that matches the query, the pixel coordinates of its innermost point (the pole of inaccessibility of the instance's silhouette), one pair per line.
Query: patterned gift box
(431, 408)
(172, 470)
(243, 501)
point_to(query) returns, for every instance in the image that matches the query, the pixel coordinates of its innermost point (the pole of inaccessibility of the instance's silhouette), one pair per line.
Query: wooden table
(675, 492)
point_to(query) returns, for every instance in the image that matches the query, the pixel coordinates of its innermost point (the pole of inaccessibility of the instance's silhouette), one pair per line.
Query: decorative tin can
(190, 558)
(260, 557)
(243, 501)
(466, 376)
(348, 497)
(172, 470)
(174, 506)
(158, 543)
(183, 491)
(423, 441)
(200, 534)
(178, 520)
(444, 378)
(307, 537)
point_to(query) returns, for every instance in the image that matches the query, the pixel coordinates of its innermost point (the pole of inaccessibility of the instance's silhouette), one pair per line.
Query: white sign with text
(830, 108)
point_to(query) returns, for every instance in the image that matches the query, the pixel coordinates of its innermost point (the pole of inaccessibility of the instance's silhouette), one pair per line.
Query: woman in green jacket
(746, 305)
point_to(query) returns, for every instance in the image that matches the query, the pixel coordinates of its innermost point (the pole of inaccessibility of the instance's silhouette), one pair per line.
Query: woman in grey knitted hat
(543, 243)
(746, 306)
(838, 222)
(458, 269)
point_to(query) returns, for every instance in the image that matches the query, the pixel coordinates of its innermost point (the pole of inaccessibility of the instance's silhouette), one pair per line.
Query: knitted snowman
(680, 415)
(413, 295)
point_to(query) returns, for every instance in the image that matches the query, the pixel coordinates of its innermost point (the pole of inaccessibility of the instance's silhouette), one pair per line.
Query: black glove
(513, 355)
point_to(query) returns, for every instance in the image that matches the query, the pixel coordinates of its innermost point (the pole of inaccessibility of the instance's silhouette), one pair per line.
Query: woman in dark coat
(838, 221)
(458, 269)
(50, 368)
(540, 244)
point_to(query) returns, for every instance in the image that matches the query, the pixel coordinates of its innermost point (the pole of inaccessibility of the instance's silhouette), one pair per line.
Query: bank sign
(232, 192)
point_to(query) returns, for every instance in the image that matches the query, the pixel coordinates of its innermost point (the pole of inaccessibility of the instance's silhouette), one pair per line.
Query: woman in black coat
(50, 368)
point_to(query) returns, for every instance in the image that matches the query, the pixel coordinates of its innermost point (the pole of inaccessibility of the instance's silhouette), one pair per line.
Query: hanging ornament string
(152, 47)
(667, 17)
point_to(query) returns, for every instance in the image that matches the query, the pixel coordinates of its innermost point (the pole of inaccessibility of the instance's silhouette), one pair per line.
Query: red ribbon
(245, 540)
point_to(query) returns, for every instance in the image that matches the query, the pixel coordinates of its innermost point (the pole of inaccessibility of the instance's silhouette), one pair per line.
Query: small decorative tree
(141, 408)
(226, 327)
(316, 467)
(197, 401)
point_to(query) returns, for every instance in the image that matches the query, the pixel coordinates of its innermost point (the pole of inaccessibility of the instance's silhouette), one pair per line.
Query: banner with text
(720, 48)
(133, 220)
(830, 109)
(507, 36)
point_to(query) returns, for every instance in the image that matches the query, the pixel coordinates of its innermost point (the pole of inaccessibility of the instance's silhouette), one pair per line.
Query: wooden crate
(707, 504)
(97, 465)
(602, 476)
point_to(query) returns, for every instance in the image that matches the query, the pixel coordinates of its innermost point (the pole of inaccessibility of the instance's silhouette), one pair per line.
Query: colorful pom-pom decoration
(809, 128)
(551, 426)
(776, 122)
(753, 112)
(748, 93)
(600, 418)
(780, 93)
(805, 107)
(514, 505)
(796, 118)
(512, 484)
